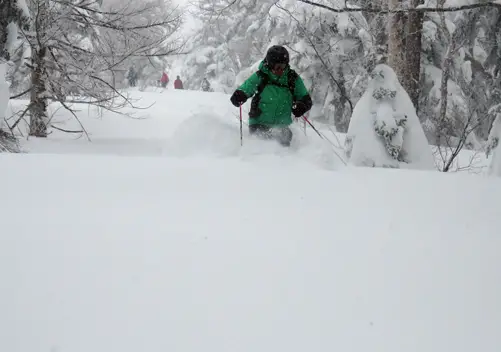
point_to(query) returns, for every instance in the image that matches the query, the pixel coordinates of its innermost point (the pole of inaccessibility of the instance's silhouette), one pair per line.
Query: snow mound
(204, 133)
(384, 129)
(178, 123)
(129, 254)
(140, 253)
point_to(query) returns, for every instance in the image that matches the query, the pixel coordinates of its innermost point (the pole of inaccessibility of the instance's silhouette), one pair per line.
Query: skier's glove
(300, 107)
(238, 98)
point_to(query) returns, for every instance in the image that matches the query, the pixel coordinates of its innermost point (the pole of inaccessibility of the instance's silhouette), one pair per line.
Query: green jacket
(275, 102)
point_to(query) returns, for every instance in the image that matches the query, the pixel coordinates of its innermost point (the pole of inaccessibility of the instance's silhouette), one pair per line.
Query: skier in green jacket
(277, 92)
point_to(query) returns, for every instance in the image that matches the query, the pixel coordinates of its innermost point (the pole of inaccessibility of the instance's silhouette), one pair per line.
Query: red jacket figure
(164, 80)
(178, 84)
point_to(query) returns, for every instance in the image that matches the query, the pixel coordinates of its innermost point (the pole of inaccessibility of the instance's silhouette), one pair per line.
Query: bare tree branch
(64, 130)
(342, 90)
(76, 118)
(78, 47)
(21, 94)
(405, 10)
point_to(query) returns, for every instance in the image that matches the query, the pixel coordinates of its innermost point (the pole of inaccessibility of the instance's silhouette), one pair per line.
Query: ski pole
(241, 134)
(311, 125)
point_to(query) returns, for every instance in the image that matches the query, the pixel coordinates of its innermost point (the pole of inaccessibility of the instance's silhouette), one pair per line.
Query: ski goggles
(279, 67)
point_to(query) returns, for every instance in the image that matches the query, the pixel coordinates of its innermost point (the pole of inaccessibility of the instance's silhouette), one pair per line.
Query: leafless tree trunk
(443, 123)
(446, 69)
(38, 98)
(413, 52)
(404, 43)
(396, 43)
(380, 32)
(341, 119)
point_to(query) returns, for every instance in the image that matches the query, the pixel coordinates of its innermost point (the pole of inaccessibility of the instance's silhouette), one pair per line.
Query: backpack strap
(264, 81)
(291, 81)
(254, 110)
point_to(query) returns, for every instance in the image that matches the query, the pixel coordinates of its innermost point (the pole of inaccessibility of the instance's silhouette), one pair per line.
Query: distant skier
(178, 84)
(278, 91)
(164, 80)
(132, 76)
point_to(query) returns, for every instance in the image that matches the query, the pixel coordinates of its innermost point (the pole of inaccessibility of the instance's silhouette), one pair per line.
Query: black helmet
(277, 54)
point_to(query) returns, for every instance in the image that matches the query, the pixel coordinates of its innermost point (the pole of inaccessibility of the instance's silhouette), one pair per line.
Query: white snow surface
(164, 234)
(367, 148)
(12, 35)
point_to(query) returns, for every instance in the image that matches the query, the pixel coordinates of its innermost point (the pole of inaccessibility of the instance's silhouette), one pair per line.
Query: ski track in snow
(183, 124)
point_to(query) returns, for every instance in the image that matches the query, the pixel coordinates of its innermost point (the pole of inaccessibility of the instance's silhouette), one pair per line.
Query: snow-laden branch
(342, 90)
(406, 10)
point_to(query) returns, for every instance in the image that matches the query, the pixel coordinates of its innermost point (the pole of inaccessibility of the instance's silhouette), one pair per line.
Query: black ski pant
(284, 135)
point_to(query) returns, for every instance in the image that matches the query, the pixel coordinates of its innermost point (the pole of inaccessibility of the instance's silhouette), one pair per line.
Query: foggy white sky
(189, 22)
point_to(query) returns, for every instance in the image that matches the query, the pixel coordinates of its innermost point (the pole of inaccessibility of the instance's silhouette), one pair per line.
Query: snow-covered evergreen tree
(384, 129)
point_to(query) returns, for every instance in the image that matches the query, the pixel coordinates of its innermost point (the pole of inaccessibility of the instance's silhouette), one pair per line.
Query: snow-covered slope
(217, 249)
(178, 124)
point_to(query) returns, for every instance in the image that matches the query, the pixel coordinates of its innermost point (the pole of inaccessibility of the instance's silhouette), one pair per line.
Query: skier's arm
(246, 90)
(249, 87)
(302, 99)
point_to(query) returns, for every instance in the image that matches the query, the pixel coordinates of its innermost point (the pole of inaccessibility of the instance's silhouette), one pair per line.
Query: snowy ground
(164, 234)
